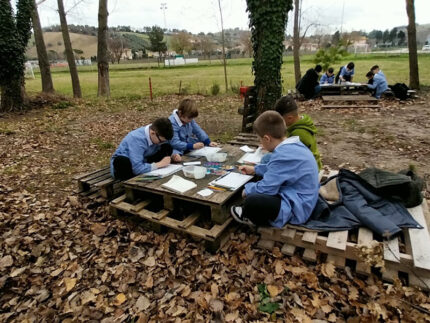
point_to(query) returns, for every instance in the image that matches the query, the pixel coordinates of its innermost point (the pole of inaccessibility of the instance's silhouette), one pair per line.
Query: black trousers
(261, 208)
(122, 165)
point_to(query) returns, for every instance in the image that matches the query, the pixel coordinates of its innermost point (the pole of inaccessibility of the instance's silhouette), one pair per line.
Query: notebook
(203, 152)
(164, 172)
(232, 181)
(252, 158)
(179, 185)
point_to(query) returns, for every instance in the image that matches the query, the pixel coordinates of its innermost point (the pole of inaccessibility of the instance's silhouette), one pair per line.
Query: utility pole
(163, 7)
(341, 19)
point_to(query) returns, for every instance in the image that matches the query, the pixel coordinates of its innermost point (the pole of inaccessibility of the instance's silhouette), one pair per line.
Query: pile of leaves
(62, 259)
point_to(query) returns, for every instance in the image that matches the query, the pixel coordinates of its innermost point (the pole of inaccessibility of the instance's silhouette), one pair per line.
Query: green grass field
(131, 79)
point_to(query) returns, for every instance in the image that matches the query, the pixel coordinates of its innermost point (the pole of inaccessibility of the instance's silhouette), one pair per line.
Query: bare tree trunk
(42, 55)
(223, 47)
(296, 42)
(414, 79)
(102, 51)
(69, 51)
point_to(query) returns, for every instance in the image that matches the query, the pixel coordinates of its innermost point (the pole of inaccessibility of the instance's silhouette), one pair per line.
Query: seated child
(288, 191)
(327, 77)
(187, 134)
(378, 84)
(308, 85)
(346, 73)
(376, 70)
(301, 126)
(143, 150)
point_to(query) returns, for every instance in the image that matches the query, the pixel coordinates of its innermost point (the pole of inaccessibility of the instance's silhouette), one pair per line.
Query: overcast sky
(203, 15)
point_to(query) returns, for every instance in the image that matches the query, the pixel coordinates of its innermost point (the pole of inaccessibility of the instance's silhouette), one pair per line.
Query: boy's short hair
(187, 108)
(286, 105)
(374, 67)
(270, 123)
(330, 70)
(163, 127)
(369, 74)
(350, 65)
(318, 68)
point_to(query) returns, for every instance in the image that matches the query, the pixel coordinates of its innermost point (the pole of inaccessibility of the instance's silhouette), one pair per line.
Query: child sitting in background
(288, 191)
(378, 85)
(187, 134)
(327, 77)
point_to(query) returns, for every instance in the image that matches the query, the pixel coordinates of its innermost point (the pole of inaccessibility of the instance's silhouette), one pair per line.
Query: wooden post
(150, 88)
(180, 87)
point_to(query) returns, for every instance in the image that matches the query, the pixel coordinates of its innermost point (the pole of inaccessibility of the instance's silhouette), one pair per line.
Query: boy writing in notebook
(187, 134)
(143, 150)
(288, 191)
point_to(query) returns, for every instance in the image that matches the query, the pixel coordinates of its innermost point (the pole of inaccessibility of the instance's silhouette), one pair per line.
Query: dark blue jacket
(357, 206)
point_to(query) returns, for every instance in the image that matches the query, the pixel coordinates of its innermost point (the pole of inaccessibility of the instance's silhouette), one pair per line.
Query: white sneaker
(236, 213)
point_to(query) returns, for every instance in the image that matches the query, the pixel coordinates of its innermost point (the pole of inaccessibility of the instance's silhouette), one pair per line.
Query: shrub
(215, 89)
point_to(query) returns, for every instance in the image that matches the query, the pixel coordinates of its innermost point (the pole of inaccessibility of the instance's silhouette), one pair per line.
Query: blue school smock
(345, 72)
(291, 174)
(136, 146)
(379, 84)
(327, 79)
(186, 135)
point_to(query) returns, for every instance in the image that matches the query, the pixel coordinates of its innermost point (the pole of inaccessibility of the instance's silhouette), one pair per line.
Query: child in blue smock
(378, 85)
(143, 150)
(288, 191)
(346, 73)
(327, 77)
(187, 134)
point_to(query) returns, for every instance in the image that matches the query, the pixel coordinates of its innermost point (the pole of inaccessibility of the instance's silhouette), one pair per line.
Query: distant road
(398, 51)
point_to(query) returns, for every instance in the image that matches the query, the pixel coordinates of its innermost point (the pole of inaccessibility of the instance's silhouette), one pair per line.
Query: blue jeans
(317, 90)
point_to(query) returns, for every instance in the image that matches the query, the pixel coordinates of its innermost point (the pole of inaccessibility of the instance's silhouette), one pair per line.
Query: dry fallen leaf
(216, 305)
(273, 290)
(150, 262)
(328, 269)
(98, 229)
(214, 290)
(18, 272)
(6, 261)
(70, 283)
(119, 299)
(232, 316)
(142, 303)
(230, 297)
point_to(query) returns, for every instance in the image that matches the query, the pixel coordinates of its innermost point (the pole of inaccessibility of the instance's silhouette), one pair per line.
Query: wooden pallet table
(343, 89)
(407, 254)
(349, 101)
(98, 185)
(244, 138)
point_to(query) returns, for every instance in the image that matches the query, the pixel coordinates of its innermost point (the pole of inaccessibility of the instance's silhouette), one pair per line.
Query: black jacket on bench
(358, 205)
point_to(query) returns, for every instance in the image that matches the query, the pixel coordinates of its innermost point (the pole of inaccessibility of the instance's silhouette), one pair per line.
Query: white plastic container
(217, 157)
(196, 172)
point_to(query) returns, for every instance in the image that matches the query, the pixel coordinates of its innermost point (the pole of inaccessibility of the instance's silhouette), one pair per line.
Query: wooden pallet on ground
(98, 185)
(244, 138)
(406, 255)
(195, 222)
(349, 101)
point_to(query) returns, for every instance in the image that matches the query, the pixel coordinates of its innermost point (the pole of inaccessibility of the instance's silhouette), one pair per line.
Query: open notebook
(232, 181)
(252, 158)
(179, 185)
(164, 172)
(203, 152)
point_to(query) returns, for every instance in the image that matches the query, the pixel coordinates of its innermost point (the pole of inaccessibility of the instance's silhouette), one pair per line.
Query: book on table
(163, 172)
(231, 181)
(252, 158)
(204, 152)
(179, 185)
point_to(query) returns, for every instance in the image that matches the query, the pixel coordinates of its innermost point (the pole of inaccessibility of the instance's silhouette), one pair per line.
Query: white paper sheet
(232, 180)
(179, 185)
(203, 152)
(205, 192)
(252, 158)
(165, 171)
(246, 149)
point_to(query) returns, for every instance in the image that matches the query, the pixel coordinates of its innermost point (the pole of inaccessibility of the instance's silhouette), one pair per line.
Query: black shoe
(236, 213)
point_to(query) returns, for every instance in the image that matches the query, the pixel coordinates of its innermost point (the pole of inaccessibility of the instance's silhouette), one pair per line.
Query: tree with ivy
(14, 36)
(267, 20)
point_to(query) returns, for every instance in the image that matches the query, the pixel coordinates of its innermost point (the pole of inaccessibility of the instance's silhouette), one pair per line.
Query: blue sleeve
(342, 71)
(323, 78)
(176, 143)
(352, 71)
(199, 132)
(137, 159)
(271, 182)
(372, 86)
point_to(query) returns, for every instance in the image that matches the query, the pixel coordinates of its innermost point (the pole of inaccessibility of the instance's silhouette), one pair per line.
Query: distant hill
(54, 42)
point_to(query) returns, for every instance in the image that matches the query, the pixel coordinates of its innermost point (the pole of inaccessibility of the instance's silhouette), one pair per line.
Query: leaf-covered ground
(62, 260)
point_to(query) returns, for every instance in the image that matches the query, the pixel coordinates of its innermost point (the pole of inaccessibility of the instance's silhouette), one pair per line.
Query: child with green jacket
(297, 125)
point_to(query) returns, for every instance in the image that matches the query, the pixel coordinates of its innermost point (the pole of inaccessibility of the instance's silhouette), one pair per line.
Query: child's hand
(176, 158)
(164, 162)
(198, 145)
(248, 170)
(243, 194)
(213, 144)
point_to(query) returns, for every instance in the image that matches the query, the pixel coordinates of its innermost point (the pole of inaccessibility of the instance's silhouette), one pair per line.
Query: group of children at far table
(309, 85)
(288, 189)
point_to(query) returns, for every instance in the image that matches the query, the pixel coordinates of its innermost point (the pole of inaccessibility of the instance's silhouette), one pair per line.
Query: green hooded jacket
(306, 130)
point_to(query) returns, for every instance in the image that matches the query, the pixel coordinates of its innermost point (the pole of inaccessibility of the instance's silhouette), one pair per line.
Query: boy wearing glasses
(187, 134)
(143, 150)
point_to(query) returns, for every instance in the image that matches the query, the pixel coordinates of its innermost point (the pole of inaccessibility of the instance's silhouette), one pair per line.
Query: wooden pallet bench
(349, 101)
(343, 89)
(244, 138)
(407, 254)
(98, 185)
(194, 223)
